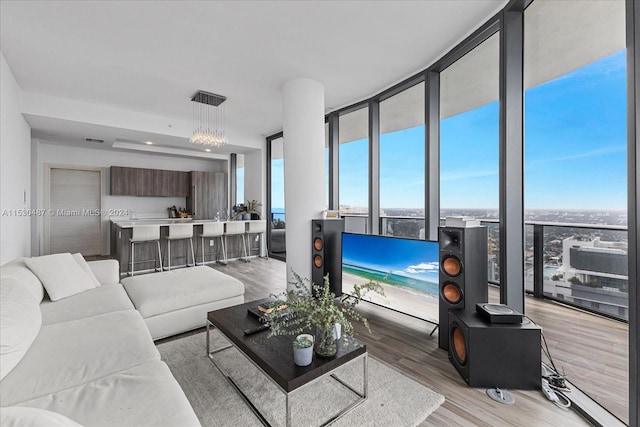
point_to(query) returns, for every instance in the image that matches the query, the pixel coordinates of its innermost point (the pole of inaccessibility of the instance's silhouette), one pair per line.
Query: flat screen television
(407, 269)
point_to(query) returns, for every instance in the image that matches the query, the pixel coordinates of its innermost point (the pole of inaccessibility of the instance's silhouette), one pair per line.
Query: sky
(575, 150)
(413, 258)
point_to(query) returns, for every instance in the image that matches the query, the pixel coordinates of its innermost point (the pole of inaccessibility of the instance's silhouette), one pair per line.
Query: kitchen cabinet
(178, 183)
(124, 181)
(208, 194)
(148, 182)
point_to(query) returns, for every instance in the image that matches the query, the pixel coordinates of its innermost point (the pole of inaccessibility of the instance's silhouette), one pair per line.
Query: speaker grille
(452, 266)
(459, 345)
(317, 244)
(317, 261)
(452, 293)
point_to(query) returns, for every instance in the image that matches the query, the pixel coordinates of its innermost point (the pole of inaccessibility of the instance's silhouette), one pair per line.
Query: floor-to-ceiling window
(277, 245)
(574, 162)
(326, 164)
(402, 164)
(575, 179)
(469, 140)
(240, 178)
(353, 169)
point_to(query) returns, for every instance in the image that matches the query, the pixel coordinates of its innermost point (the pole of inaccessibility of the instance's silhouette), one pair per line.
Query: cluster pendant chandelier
(208, 119)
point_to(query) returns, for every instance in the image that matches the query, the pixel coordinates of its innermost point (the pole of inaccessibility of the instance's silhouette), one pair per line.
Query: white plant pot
(303, 356)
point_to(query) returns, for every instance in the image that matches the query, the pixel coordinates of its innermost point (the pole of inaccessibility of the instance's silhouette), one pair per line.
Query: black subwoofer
(494, 355)
(463, 273)
(326, 252)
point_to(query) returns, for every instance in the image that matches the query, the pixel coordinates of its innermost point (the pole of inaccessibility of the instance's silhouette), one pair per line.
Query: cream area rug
(394, 399)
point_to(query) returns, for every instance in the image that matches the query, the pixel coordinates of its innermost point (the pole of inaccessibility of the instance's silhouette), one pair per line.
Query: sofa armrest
(106, 271)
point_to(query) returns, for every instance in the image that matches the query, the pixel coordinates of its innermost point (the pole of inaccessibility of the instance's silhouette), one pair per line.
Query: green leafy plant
(302, 342)
(311, 305)
(252, 206)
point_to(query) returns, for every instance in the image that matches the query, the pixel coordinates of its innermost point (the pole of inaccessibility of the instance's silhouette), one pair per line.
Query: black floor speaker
(495, 355)
(326, 240)
(463, 273)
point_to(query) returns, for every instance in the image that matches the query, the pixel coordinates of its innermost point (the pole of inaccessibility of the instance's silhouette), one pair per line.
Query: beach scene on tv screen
(407, 270)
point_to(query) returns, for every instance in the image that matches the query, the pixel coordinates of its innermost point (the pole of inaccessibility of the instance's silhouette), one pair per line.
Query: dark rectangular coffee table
(274, 357)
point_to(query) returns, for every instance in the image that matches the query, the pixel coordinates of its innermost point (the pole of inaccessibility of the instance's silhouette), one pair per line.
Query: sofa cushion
(145, 395)
(100, 300)
(22, 416)
(60, 274)
(69, 354)
(18, 270)
(83, 264)
(158, 293)
(107, 271)
(20, 322)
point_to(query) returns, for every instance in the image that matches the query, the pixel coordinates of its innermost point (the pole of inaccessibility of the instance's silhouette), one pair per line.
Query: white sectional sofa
(86, 358)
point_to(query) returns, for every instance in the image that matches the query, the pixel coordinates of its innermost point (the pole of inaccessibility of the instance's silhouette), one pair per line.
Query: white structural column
(304, 180)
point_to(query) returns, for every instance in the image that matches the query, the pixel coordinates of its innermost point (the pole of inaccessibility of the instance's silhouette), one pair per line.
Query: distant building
(600, 264)
(595, 275)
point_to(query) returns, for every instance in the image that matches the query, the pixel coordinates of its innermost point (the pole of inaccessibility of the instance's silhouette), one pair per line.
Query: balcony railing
(592, 278)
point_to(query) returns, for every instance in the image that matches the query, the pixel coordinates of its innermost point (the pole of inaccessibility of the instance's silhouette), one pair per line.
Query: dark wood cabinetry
(208, 194)
(124, 181)
(179, 183)
(148, 182)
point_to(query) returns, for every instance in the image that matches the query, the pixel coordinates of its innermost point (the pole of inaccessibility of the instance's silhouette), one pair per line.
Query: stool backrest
(257, 226)
(180, 231)
(234, 227)
(212, 229)
(144, 233)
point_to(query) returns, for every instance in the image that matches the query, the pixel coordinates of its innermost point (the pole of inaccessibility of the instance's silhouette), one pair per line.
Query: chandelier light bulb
(208, 119)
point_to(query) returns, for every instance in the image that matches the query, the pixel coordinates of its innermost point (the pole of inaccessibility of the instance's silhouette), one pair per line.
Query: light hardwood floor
(404, 343)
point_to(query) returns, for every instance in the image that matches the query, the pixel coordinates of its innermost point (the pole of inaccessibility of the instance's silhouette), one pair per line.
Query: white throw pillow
(60, 274)
(83, 264)
(22, 416)
(20, 322)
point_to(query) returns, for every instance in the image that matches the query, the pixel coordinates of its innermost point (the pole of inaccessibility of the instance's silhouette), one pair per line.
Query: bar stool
(144, 234)
(179, 232)
(234, 228)
(257, 227)
(213, 229)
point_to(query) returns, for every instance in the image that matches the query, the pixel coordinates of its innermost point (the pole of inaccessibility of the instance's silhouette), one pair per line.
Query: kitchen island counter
(146, 254)
(129, 223)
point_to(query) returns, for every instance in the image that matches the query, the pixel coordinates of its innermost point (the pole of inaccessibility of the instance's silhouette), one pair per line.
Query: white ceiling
(150, 57)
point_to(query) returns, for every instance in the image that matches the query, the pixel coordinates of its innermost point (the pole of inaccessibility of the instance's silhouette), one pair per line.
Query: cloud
(591, 153)
(423, 267)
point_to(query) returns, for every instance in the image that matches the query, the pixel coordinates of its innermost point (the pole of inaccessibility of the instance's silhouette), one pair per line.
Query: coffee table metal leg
(288, 403)
(366, 376)
(208, 329)
(362, 396)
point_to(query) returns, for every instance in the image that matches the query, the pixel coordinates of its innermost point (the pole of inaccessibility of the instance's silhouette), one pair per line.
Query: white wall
(255, 178)
(49, 153)
(15, 162)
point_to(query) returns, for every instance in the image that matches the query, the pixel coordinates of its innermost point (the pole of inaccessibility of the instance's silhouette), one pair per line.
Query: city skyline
(575, 151)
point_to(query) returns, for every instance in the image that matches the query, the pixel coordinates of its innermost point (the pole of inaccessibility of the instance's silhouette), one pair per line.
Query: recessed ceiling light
(148, 142)
(208, 150)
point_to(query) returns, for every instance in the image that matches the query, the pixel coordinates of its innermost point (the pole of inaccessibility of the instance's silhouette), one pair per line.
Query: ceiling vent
(100, 141)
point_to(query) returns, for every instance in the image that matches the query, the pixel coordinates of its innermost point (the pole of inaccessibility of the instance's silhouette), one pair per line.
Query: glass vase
(325, 342)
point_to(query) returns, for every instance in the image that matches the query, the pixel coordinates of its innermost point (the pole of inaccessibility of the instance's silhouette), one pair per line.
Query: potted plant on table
(303, 350)
(252, 208)
(313, 307)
